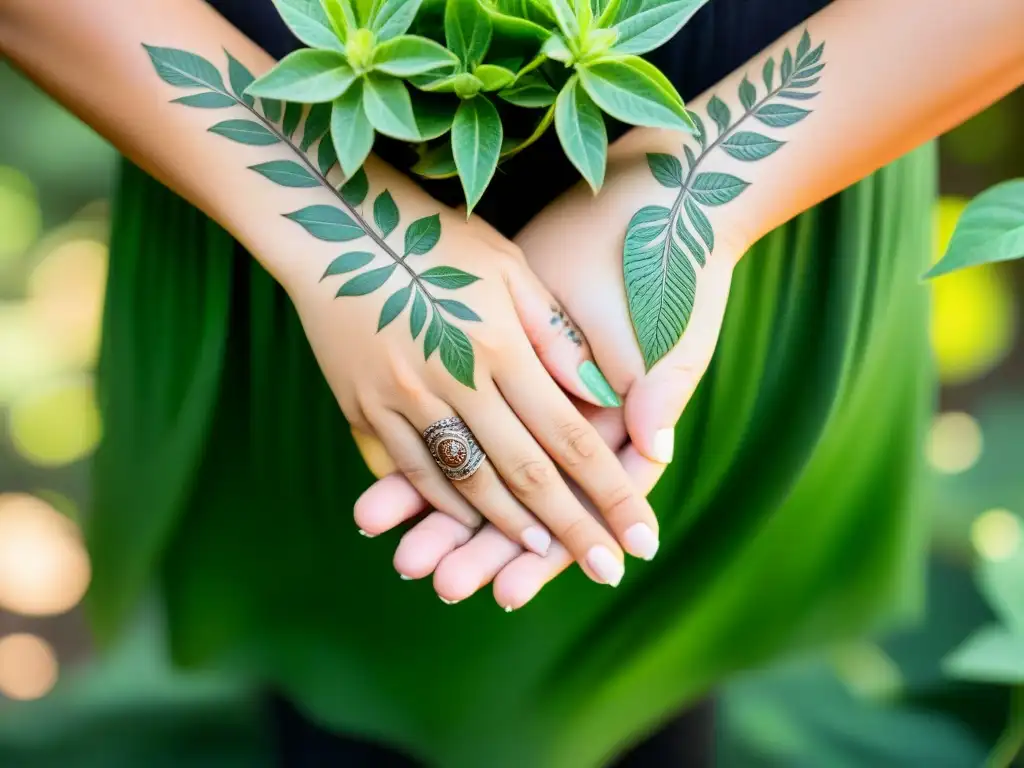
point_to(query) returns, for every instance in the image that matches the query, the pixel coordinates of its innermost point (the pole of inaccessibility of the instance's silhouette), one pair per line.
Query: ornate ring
(454, 448)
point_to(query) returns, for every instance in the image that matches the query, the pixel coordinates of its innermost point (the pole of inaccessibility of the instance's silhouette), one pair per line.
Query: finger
(578, 448)
(427, 543)
(559, 344)
(656, 401)
(474, 564)
(389, 502)
(373, 452)
(533, 478)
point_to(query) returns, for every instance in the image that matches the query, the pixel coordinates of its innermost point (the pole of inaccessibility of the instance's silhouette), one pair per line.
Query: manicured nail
(367, 535)
(403, 577)
(448, 602)
(537, 540)
(641, 541)
(508, 609)
(664, 445)
(598, 385)
(603, 563)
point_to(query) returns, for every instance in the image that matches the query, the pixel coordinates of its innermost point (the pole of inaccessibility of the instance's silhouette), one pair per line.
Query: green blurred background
(939, 693)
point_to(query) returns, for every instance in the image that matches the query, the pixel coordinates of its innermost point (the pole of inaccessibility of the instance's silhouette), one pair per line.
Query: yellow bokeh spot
(973, 313)
(28, 667)
(954, 443)
(996, 534)
(377, 459)
(20, 217)
(56, 424)
(25, 354)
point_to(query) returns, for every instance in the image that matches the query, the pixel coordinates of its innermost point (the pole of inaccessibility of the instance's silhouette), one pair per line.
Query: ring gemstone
(452, 452)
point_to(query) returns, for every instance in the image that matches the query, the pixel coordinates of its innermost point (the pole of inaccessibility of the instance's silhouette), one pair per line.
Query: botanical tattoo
(665, 246)
(559, 318)
(280, 123)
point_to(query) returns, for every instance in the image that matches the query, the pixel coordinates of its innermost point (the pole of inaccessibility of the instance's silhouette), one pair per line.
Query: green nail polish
(598, 385)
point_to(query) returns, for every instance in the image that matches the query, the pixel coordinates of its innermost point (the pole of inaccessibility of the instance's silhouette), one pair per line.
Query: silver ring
(454, 448)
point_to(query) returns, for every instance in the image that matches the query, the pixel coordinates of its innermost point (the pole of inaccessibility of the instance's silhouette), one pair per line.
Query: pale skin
(926, 72)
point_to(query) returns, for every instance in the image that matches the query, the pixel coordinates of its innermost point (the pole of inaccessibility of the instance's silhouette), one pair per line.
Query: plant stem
(1010, 743)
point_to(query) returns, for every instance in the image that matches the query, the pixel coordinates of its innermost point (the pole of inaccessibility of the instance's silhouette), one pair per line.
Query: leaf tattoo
(664, 247)
(280, 123)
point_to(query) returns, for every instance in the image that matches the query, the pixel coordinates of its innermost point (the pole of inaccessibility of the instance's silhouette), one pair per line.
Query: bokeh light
(28, 667)
(28, 356)
(44, 569)
(996, 534)
(377, 459)
(954, 443)
(20, 217)
(56, 424)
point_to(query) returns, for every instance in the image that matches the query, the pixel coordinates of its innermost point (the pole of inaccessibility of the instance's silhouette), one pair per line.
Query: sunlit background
(889, 702)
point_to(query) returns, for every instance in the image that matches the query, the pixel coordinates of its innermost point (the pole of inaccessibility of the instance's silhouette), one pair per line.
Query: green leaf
(701, 131)
(780, 115)
(306, 76)
(342, 18)
(318, 123)
(272, 109)
(287, 173)
(700, 223)
(655, 24)
(804, 83)
(635, 92)
(661, 283)
(803, 46)
(354, 190)
(748, 94)
(531, 90)
(451, 278)
(993, 654)
(787, 66)
(749, 146)
(208, 100)
(292, 117)
(308, 21)
(418, 316)
(467, 86)
(458, 309)
(476, 146)
(769, 74)
(409, 55)
(392, 18)
(368, 282)
(385, 213)
(523, 33)
(798, 95)
(325, 222)
(810, 71)
(691, 160)
(467, 30)
(348, 262)
(434, 114)
(351, 131)
(435, 82)
(991, 229)
(1002, 581)
(581, 131)
(666, 169)
(393, 306)
(716, 188)
(240, 78)
(557, 49)
(719, 112)
(695, 249)
(185, 70)
(245, 132)
(565, 17)
(457, 355)
(813, 57)
(326, 157)
(493, 77)
(422, 235)
(437, 163)
(389, 108)
(433, 335)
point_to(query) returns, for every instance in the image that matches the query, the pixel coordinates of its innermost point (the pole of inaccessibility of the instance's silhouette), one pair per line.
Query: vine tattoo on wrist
(661, 253)
(278, 123)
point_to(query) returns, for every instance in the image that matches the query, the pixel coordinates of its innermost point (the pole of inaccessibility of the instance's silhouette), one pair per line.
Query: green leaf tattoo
(665, 247)
(343, 222)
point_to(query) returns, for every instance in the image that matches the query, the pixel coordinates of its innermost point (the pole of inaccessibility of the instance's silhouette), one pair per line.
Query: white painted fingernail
(403, 577)
(664, 445)
(641, 541)
(607, 567)
(537, 540)
(508, 609)
(448, 602)
(367, 535)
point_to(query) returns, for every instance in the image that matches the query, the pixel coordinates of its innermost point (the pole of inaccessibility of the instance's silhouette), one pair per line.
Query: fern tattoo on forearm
(664, 247)
(277, 123)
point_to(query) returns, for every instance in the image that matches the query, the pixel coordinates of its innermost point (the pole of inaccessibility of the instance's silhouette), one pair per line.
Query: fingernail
(664, 445)
(367, 535)
(641, 541)
(448, 602)
(403, 577)
(537, 540)
(598, 385)
(605, 565)
(508, 609)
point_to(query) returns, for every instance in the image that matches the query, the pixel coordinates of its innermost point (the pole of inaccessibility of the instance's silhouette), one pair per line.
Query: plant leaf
(530, 90)
(696, 249)
(342, 17)
(655, 24)
(467, 30)
(457, 355)
(318, 123)
(208, 100)
(581, 130)
(272, 109)
(555, 48)
(1002, 581)
(393, 306)
(749, 146)
(292, 117)
(458, 309)
(409, 55)
(392, 18)
(354, 190)
(813, 57)
(437, 163)
(388, 107)
(240, 78)
(434, 114)
(769, 74)
(719, 112)
(993, 654)
(287, 173)
(351, 131)
(348, 262)
(666, 169)
(700, 223)
(433, 335)
(780, 115)
(308, 21)
(803, 46)
(476, 146)
(798, 95)
(565, 17)
(716, 188)
(635, 92)
(494, 77)
(661, 283)
(449, 277)
(787, 66)
(245, 132)
(306, 76)
(325, 222)
(385, 213)
(422, 235)
(748, 94)
(418, 316)
(367, 282)
(991, 229)
(185, 70)
(804, 83)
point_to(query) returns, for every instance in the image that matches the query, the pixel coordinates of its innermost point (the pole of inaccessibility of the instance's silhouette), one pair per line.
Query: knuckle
(619, 502)
(416, 471)
(578, 441)
(530, 477)
(576, 532)
(476, 485)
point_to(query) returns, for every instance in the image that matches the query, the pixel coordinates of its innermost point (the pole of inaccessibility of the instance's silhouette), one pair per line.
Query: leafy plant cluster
(473, 82)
